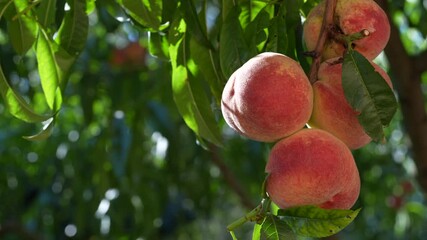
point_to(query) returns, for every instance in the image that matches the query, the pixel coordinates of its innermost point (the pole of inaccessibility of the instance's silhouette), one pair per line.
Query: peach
(312, 167)
(351, 16)
(267, 98)
(332, 112)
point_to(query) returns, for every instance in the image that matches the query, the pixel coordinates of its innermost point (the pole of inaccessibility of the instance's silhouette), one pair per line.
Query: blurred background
(122, 164)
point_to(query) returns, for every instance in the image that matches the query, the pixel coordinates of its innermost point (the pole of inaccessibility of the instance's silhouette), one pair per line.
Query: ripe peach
(267, 98)
(351, 16)
(332, 112)
(312, 167)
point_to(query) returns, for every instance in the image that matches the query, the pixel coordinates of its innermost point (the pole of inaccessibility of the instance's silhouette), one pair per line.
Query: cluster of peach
(270, 99)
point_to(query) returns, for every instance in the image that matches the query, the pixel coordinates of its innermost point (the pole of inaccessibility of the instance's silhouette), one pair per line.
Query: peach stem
(347, 40)
(256, 215)
(251, 216)
(327, 23)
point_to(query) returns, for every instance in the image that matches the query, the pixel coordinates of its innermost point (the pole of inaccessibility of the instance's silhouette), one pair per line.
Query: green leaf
(46, 13)
(90, 6)
(50, 75)
(158, 45)
(7, 9)
(22, 28)
(293, 20)
(316, 222)
(277, 31)
(169, 7)
(256, 234)
(233, 47)
(54, 64)
(195, 25)
(188, 93)
(226, 8)
(256, 29)
(16, 104)
(115, 11)
(148, 13)
(73, 32)
(368, 93)
(64, 62)
(250, 10)
(208, 63)
(44, 133)
(273, 228)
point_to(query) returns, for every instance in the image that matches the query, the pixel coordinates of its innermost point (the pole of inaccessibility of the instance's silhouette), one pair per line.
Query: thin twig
(327, 23)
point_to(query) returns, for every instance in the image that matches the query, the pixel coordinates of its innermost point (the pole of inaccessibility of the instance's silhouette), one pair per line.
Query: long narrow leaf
(194, 26)
(22, 29)
(208, 63)
(368, 93)
(293, 20)
(64, 61)
(158, 45)
(256, 30)
(278, 37)
(48, 71)
(16, 104)
(73, 32)
(234, 50)
(190, 98)
(313, 221)
(251, 10)
(46, 12)
(44, 133)
(145, 12)
(273, 228)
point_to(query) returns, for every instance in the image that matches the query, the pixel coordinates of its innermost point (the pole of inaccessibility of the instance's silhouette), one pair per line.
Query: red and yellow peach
(312, 167)
(332, 112)
(351, 16)
(268, 98)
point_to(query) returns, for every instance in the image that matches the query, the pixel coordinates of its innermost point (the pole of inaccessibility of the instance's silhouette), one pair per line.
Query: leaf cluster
(291, 223)
(204, 42)
(207, 41)
(32, 27)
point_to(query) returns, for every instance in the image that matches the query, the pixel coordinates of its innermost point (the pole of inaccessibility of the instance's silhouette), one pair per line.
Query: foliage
(127, 97)
(368, 93)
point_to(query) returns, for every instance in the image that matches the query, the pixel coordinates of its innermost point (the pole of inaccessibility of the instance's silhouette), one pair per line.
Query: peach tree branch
(327, 24)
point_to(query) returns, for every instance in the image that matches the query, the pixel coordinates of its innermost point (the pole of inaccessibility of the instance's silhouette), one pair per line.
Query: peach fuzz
(267, 98)
(351, 16)
(312, 167)
(332, 112)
